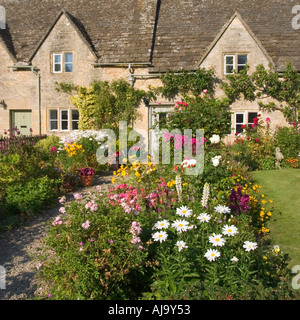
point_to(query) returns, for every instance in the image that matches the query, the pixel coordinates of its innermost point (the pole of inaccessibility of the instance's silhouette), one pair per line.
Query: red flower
(257, 140)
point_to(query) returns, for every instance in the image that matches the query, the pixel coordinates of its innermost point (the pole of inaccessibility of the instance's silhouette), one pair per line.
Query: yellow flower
(113, 180)
(262, 195)
(265, 258)
(137, 174)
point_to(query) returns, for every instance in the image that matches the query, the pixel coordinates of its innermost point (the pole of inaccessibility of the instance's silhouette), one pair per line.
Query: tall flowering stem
(205, 195)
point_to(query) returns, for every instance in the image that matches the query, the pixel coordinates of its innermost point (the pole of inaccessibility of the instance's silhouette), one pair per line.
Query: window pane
(57, 58)
(251, 116)
(240, 68)
(53, 125)
(68, 57)
(229, 60)
(64, 115)
(238, 128)
(75, 119)
(64, 125)
(57, 67)
(75, 115)
(53, 114)
(242, 59)
(68, 67)
(74, 125)
(229, 69)
(239, 118)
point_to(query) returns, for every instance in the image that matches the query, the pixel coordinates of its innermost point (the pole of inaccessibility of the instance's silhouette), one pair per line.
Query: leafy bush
(94, 256)
(31, 197)
(288, 140)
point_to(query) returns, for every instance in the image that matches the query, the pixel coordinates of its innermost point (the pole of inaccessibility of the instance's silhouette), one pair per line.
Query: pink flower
(86, 225)
(53, 150)
(205, 91)
(62, 199)
(57, 221)
(268, 120)
(257, 140)
(38, 266)
(77, 196)
(62, 210)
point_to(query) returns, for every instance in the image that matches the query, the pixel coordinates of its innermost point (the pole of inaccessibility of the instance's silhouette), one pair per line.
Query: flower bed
(161, 234)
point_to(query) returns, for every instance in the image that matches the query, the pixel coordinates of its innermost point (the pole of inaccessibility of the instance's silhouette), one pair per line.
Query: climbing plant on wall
(103, 104)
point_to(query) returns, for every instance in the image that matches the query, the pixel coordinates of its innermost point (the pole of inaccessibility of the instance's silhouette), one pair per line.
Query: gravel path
(19, 245)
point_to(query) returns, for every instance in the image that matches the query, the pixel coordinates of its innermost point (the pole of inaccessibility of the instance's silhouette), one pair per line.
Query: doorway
(21, 119)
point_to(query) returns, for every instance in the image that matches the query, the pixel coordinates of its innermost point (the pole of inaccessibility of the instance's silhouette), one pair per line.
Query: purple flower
(80, 244)
(110, 241)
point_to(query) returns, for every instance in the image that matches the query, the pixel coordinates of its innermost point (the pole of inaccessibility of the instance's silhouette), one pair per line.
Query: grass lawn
(283, 187)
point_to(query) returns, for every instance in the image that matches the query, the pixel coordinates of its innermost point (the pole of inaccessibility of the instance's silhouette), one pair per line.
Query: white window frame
(71, 118)
(68, 63)
(251, 123)
(235, 62)
(245, 119)
(51, 120)
(239, 123)
(56, 63)
(226, 64)
(63, 120)
(240, 64)
(59, 119)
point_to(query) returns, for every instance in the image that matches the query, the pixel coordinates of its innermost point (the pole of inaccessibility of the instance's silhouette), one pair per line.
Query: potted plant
(87, 176)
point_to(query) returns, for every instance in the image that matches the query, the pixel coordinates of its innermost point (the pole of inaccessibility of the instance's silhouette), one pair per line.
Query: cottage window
(243, 119)
(63, 119)
(234, 62)
(62, 62)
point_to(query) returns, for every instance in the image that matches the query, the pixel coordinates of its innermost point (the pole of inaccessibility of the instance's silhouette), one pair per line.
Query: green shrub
(31, 197)
(288, 140)
(89, 253)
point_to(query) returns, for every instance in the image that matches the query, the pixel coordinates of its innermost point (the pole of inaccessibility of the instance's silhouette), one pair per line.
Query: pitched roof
(172, 34)
(118, 31)
(187, 28)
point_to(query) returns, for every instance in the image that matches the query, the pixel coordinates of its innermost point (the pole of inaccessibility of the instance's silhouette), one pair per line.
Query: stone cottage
(48, 41)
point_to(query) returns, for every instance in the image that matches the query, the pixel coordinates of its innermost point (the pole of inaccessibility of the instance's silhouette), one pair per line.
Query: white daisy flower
(181, 225)
(212, 254)
(217, 240)
(164, 224)
(222, 209)
(181, 245)
(160, 236)
(184, 211)
(248, 245)
(234, 259)
(230, 230)
(204, 217)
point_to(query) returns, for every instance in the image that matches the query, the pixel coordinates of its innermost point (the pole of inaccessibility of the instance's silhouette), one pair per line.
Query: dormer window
(234, 62)
(62, 62)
